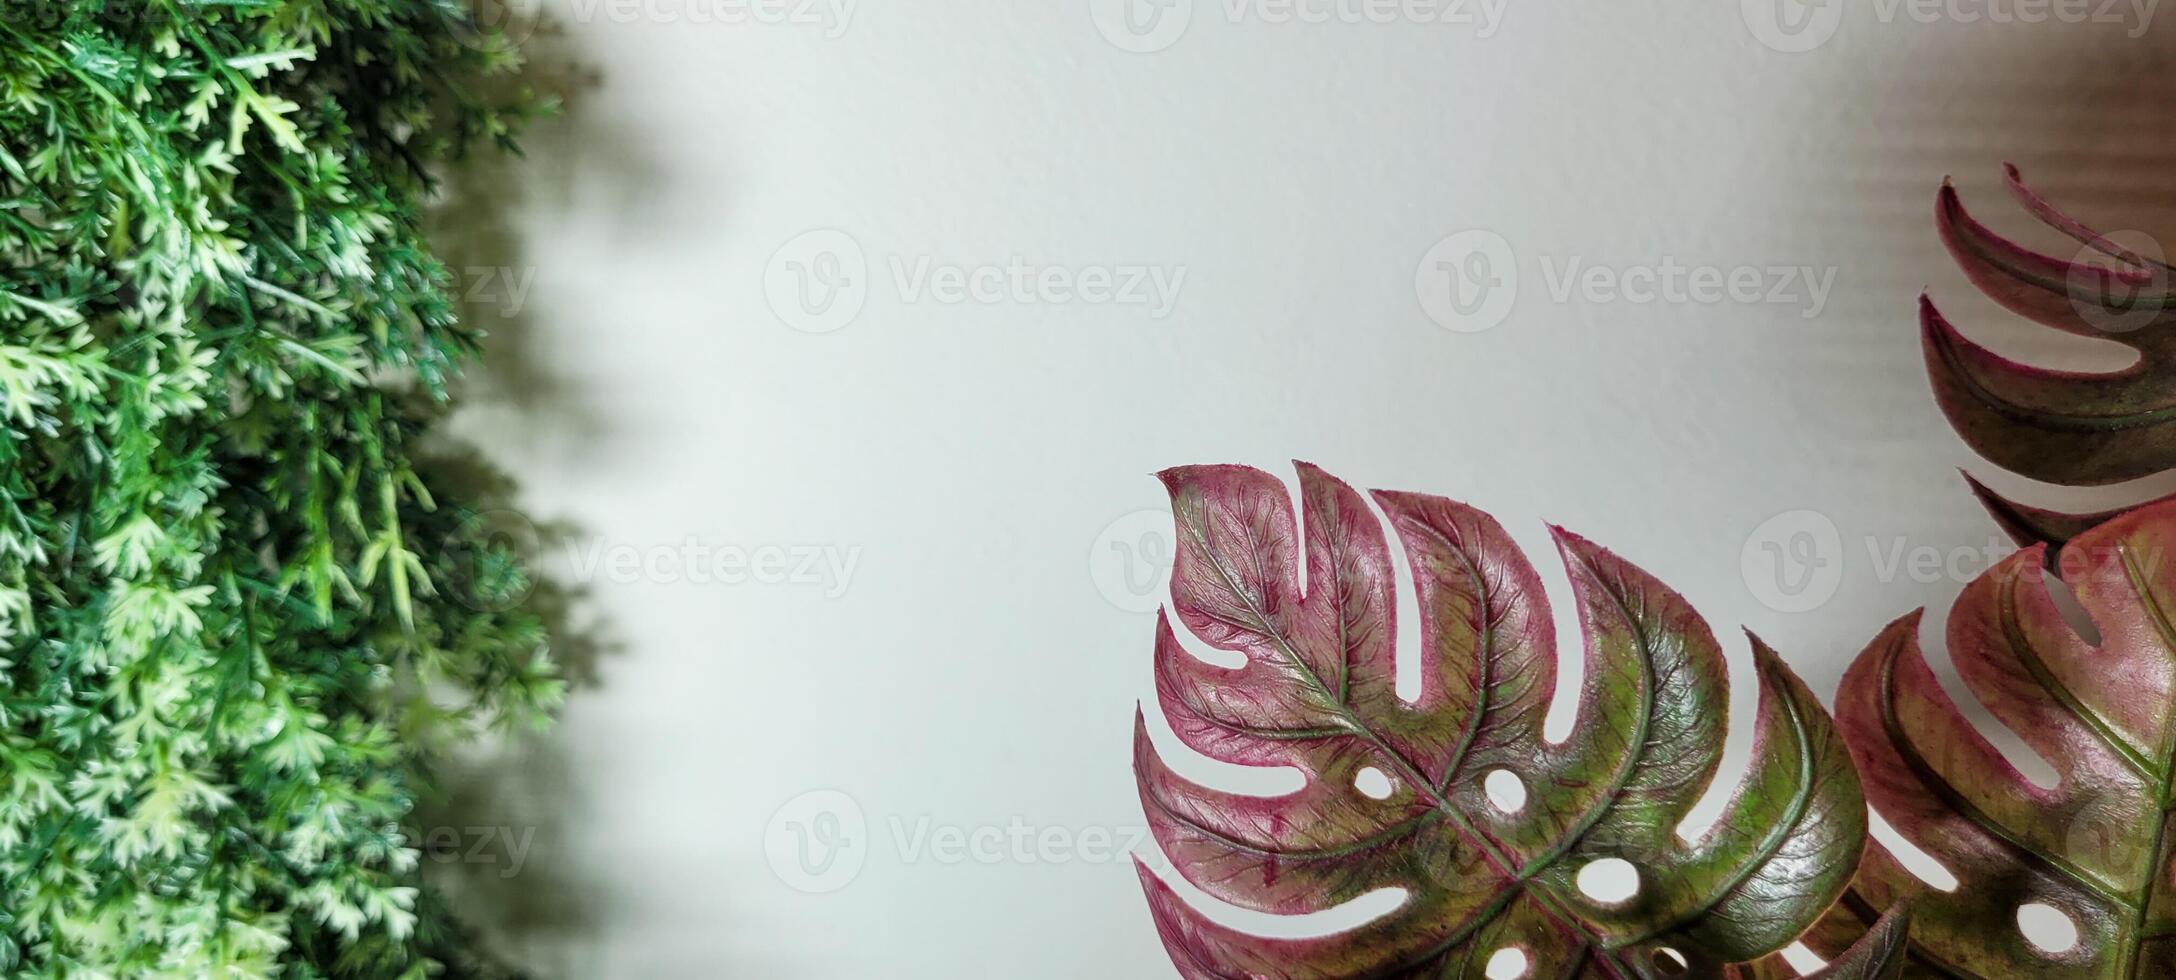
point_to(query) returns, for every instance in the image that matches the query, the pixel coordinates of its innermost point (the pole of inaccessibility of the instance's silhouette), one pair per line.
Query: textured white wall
(657, 385)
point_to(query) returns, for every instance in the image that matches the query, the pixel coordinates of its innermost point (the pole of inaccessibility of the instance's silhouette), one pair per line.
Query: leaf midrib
(1403, 828)
(2139, 903)
(1634, 746)
(2160, 857)
(1516, 882)
(1778, 832)
(1944, 790)
(2164, 304)
(2013, 631)
(1484, 672)
(1341, 710)
(2089, 424)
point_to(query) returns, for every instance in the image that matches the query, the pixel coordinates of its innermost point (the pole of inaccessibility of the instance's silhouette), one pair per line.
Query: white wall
(970, 457)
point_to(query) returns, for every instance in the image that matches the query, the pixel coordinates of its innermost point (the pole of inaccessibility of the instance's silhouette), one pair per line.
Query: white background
(972, 672)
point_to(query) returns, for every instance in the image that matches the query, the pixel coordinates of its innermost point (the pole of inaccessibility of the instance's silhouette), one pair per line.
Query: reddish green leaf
(2028, 525)
(2061, 427)
(2095, 846)
(1877, 956)
(1318, 693)
(1880, 954)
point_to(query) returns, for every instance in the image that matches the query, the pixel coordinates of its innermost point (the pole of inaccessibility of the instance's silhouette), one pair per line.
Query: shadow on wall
(2083, 111)
(495, 841)
(1895, 106)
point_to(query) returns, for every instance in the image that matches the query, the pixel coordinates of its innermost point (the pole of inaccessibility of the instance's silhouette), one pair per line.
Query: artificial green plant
(238, 616)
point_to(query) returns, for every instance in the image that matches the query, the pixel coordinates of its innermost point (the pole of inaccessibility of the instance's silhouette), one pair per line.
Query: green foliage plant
(235, 627)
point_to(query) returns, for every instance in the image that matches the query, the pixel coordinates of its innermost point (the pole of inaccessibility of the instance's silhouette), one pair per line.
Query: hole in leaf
(1914, 858)
(1610, 880)
(1373, 783)
(1505, 790)
(1670, 962)
(2066, 600)
(2006, 740)
(1802, 959)
(1509, 963)
(2047, 928)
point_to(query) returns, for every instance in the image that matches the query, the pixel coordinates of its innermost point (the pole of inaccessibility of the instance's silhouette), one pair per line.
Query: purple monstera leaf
(2094, 847)
(1312, 612)
(1883, 953)
(2064, 427)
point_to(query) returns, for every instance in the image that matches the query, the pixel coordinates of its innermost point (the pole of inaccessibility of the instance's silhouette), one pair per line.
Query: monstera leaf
(1878, 955)
(2060, 427)
(2095, 847)
(1397, 792)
